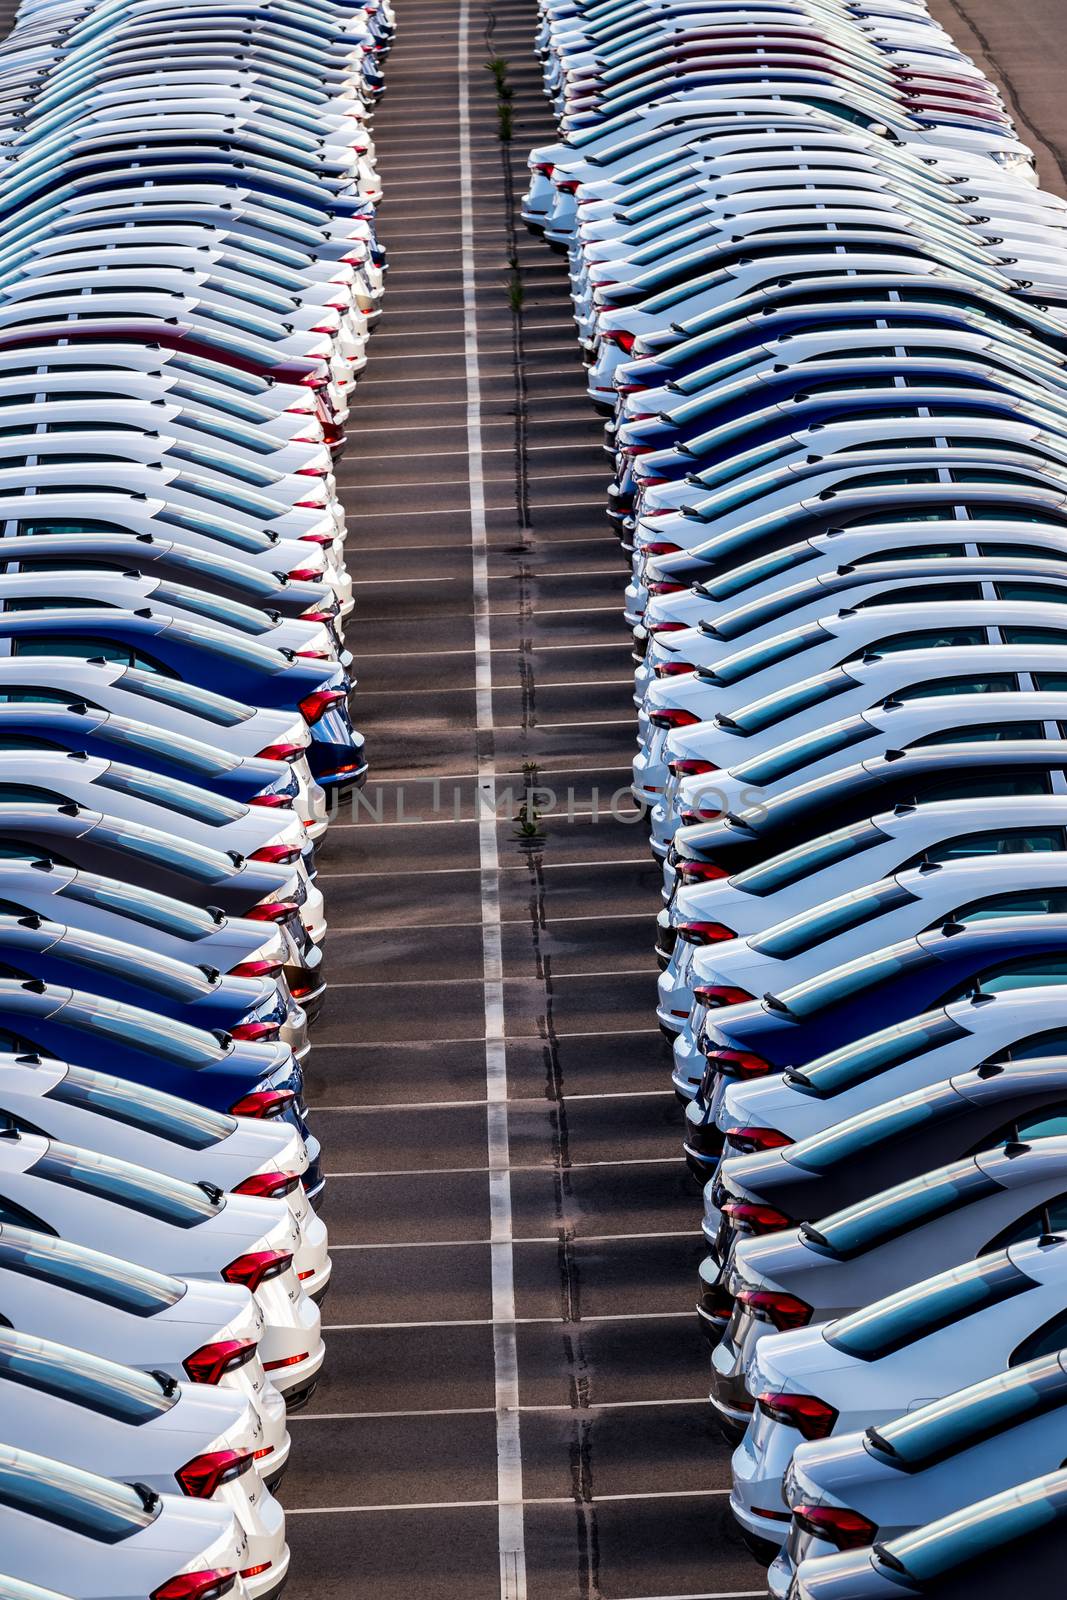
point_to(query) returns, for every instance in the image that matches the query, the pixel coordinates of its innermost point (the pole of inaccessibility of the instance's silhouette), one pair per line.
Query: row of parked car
(823, 305)
(189, 274)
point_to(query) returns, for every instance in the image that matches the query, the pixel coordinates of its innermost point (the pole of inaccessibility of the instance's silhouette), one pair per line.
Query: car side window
(1051, 1336)
(11, 1213)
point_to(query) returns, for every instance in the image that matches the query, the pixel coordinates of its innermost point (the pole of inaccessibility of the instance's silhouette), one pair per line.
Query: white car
(152, 1129)
(106, 1540)
(199, 1232)
(899, 1352)
(146, 1428)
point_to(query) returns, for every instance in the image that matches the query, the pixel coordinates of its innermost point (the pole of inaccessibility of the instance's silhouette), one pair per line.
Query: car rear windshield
(199, 804)
(786, 759)
(962, 1539)
(946, 1428)
(792, 865)
(854, 978)
(96, 1508)
(924, 1308)
(827, 921)
(857, 1063)
(789, 702)
(182, 1122)
(759, 656)
(844, 1142)
(156, 974)
(216, 708)
(198, 760)
(152, 1194)
(104, 1387)
(120, 1284)
(158, 911)
(199, 862)
(870, 1223)
(144, 1031)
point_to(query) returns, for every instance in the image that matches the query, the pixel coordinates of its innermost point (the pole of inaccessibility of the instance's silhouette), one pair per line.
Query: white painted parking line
(511, 1533)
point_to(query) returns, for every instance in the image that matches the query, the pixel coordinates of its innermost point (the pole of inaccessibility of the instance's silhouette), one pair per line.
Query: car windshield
(185, 697)
(1037, 972)
(788, 702)
(204, 760)
(122, 1393)
(151, 1194)
(933, 1552)
(945, 638)
(157, 911)
(215, 607)
(924, 1308)
(199, 804)
(1023, 903)
(96, 1508)
(870, 1223)
(827, 921)
(743, 663)
(119, 1284)
(156, 974)
(843, 1069)
(854, 978)
(135, 1105)
(144, 1031)
(844, 1141)
(804, 859)
(946, 1428)
(200, 862)
(809, 748)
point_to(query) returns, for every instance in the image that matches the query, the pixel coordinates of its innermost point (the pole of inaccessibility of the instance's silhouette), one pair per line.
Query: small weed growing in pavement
(516, 292)
(528, 818)
(498, 67)
(504, 121)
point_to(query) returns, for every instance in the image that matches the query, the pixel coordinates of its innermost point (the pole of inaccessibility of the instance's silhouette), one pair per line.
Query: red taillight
(654, 629)
(254, 1572)
(545, 168)
(703, 932)
(206, 1585)
(272, 911)
(714, 995)
(848, 1530)
(691, 767)
(315, 538)
(212, 1362)
(257, 1266)
(255, 1032)
(315, 705)
(260, 968)
(752, 1219)
(269, 1185)
(621, 338)
(814, 1419)
(277, 855)
(738, 1064)
(700, 872)
(671, 717)
(311, 472)
(313, 505)
(305, 574)
(203, 1475)
(690, 815)
(300, 991)
(318, 614)
(662, 586)
(281, 752)
(274, 801)
(747, 1140)
(286, 1361)
(782, 1311)
(313, 655)
(660, 547)
(264, 1104)
(674, 669)
(569, 185)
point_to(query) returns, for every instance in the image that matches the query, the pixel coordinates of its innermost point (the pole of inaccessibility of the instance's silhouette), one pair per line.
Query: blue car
(211, 1069)
(213, 658)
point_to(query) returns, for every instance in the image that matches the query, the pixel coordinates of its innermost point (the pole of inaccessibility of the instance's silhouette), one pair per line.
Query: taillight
(812, 1418)
(281, 752)
(269, 1185)
(671, 717)
(621, 338)
(305, 574)
(212, 1362)
(273, 802)
(714, 995)
(747, 1140)
(272, 911)
(545, 168)
(848, 1530)
(260, 968)
(318, 614)
(206, 1585)
(782, 1311)
(752, 1219)
(203, 1475)
(700, 872)
(673, 669)
(313, 655)
(315, 705)
(656, 628)
(569, 185)
(661, 547)
(285, 1361)
(663, 586)
(256, 1267)
(254, 1572)
(264, 1104)
(689, 815)
(315, 538)
(277, 855)
(691, 767)
(255, 1032)
(738, 1064)
(703, 932)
